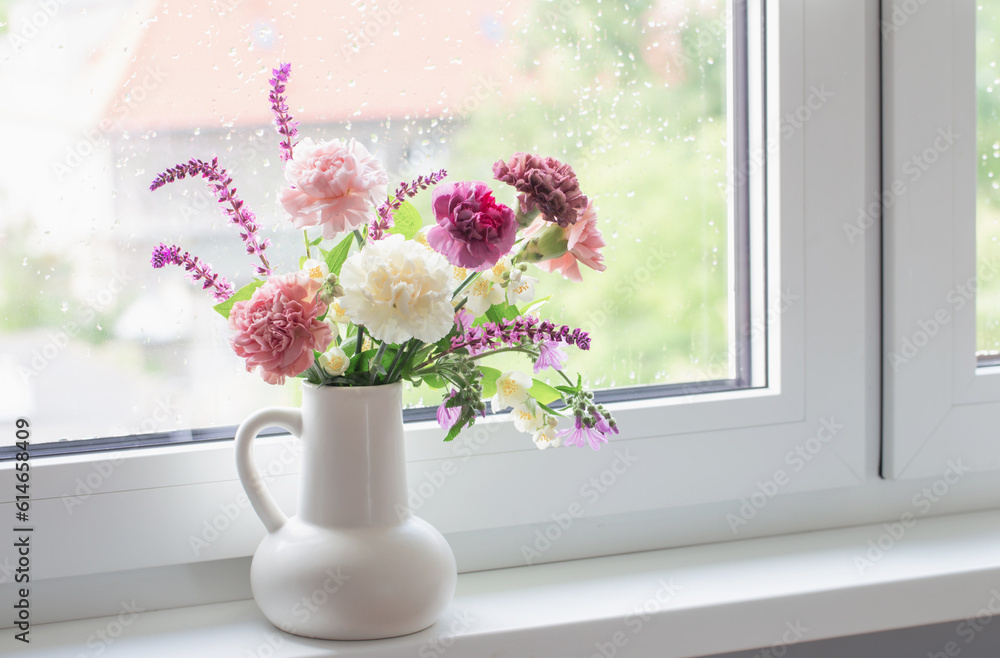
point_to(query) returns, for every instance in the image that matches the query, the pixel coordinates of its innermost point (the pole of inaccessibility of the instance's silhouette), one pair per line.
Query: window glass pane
(988, 180)
(108, 93)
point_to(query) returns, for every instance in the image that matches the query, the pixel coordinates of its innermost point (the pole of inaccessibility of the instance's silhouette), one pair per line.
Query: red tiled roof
(209, 66)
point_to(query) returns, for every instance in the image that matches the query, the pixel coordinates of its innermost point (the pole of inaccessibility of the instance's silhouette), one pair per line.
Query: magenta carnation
(277, 329)
(473, 230)
(544, 184)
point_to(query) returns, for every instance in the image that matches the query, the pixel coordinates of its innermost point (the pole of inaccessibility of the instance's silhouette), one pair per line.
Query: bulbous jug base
(360, 583)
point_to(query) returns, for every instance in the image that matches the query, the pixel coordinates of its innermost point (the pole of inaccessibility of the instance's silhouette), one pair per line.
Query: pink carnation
(473, 230)
(277, 330)
(333, 185)
(583, 245)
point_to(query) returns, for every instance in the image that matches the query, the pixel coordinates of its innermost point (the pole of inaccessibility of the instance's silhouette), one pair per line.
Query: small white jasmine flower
(337, 314)
(482, 294)
(496, 273)
(528, 417)
(512, 390)
(522, 290)
(315, 269)
(334, 361)
(547, 437)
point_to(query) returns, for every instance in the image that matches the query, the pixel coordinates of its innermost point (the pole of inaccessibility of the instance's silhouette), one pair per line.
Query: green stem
(305, 236)
(411, 346)
(501, 351)
(360, 341)
(469, 279)
(374, 363)
(563, 375)
(392, 366)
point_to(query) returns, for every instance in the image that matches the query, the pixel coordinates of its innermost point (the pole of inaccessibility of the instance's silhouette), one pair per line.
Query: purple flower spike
(197, 270)
(238, 213)
(511, 332)
(383, 217)
(287, 128)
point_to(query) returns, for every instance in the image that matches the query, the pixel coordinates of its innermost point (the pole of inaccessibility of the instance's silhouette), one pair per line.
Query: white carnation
(398, 290)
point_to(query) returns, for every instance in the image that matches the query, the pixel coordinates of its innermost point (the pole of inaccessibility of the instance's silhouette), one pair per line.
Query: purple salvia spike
(287, 128)
(512, 332)
(219, 182)
(196, 269)
(383, 216)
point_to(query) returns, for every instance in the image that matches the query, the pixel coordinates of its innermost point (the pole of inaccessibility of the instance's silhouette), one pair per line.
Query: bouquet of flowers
(379, 297)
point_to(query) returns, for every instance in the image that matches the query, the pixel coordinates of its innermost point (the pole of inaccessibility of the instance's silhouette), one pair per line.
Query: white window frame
(939, 406)
(691, 464)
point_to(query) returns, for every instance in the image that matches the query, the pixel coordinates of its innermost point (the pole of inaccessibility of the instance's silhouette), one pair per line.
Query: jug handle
(263, 503)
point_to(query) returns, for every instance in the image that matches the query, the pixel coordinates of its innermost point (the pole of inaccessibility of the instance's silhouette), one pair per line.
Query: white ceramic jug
(353, 564)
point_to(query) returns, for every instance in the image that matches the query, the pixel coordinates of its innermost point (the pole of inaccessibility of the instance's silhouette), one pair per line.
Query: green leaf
(492, 315)
(543, 392)
(490, 377)
(316, 242)
(435, 381)
(406, 221)
(335, 257)
(549, 409)
(241, 295)
(455, 430)
(535, 305)
(497, 313)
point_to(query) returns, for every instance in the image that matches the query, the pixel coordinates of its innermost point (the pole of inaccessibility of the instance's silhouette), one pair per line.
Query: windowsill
(726, 597)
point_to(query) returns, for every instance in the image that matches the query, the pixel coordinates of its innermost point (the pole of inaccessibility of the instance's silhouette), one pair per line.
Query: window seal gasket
(68, 448)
